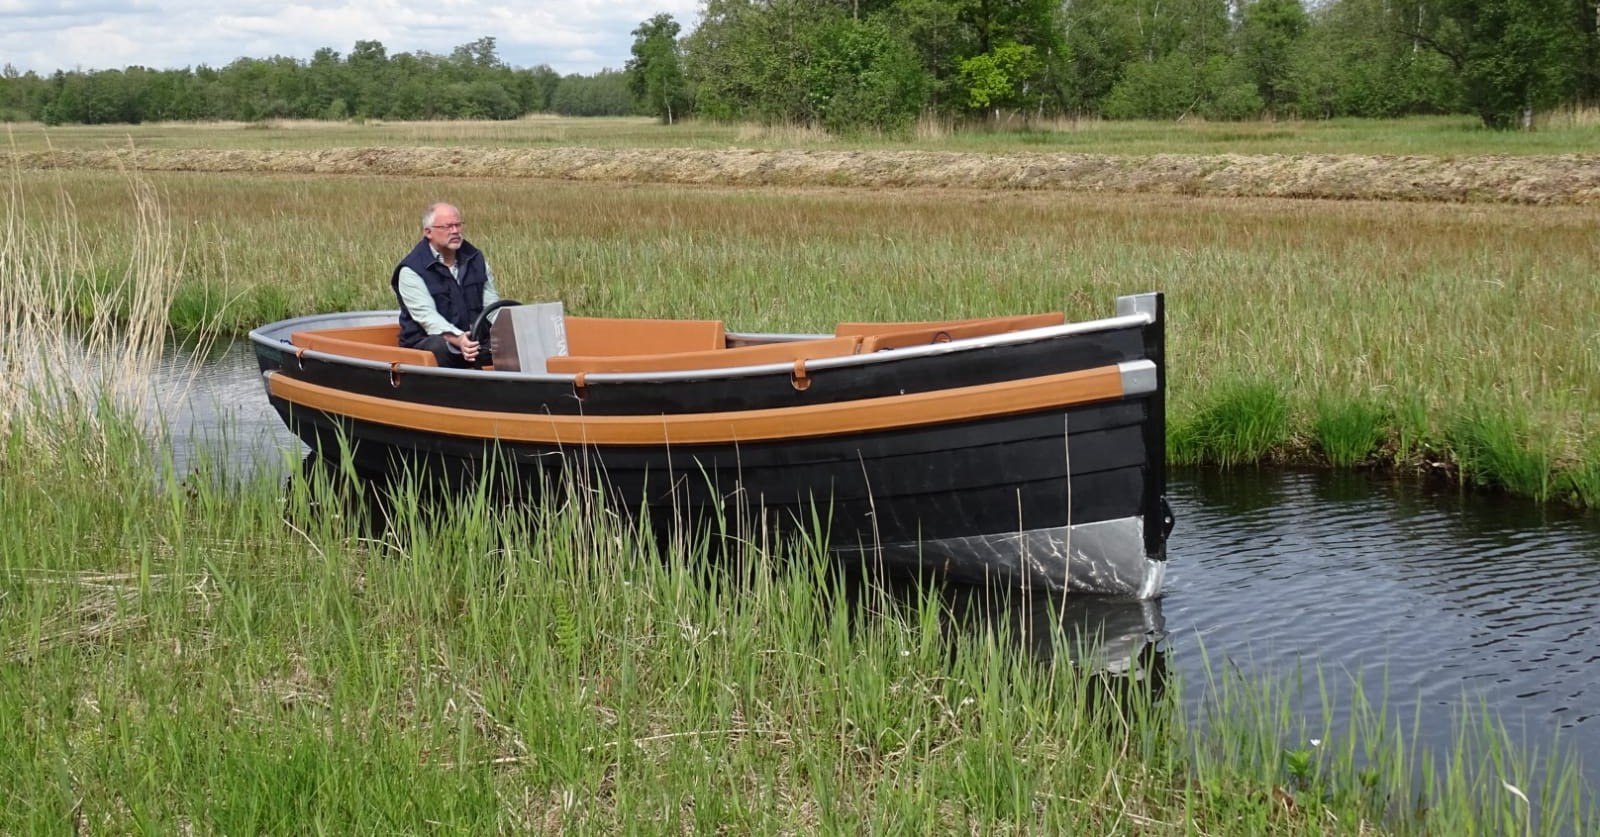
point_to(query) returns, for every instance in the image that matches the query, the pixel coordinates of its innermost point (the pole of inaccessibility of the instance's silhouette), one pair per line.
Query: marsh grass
(1581, 485)
(83, 327)
(1242, 422)
(1360, 765)
(1349, 433)
(1498, 449)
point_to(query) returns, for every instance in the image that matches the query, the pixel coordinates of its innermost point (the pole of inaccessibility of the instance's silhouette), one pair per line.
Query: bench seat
(378, 342)
(610, 336)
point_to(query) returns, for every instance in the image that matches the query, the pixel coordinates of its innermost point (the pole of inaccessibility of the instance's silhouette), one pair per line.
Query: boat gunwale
(275, 336)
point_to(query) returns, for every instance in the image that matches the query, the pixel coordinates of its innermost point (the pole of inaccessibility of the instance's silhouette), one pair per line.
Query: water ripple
(1451, 600)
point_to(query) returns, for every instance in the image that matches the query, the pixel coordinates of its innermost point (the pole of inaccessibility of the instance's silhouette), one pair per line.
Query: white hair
(433, 209)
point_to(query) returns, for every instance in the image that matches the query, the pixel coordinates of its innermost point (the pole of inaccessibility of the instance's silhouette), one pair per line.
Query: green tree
(1269, 39)
(863, 76)
(536, 87)
(935, 30)
(372, 88)
(1102, 38)
(655, 72)
(749, 58)
(602, 94)
(1513, 56)
(1001, 77)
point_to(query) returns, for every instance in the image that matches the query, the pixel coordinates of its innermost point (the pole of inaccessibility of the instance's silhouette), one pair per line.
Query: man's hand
(467, 346)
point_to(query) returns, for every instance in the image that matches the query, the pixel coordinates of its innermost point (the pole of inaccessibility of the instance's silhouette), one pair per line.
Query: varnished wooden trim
(809, 421)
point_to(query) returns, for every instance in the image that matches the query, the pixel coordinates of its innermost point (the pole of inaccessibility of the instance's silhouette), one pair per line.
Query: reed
(1496, 449)
(1241, 422)
(1349, 433)
(83, 328)
(1358, 767)
(1580, 485)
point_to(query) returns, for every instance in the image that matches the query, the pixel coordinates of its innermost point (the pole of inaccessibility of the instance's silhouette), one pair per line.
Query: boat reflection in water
(1118, 639)
(1110, 635)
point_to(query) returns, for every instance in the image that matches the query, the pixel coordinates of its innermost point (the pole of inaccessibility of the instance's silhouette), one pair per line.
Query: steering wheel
(480, 327)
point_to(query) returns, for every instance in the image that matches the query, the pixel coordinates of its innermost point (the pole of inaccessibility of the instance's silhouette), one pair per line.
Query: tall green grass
(1242, 422)
(1365, 770)
(1496, 449)
(227, 652)
(1349, 433)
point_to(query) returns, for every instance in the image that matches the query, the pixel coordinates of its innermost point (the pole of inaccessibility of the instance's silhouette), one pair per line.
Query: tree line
(854, 65)
(472, 82)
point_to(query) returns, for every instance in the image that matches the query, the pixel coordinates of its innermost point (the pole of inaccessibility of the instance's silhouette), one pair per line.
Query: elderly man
(443, 284)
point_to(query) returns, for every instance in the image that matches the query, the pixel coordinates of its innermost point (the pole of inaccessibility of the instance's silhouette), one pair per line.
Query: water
(216, 405)
(1435, 600)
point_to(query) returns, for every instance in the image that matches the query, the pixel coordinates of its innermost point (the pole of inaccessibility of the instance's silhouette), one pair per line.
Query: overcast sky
(572, 36)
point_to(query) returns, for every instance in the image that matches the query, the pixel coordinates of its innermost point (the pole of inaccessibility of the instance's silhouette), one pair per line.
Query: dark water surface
(1434, 600)
(1438, 600)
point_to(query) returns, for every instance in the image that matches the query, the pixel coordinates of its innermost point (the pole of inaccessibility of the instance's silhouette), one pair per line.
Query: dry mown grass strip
(1565, 179)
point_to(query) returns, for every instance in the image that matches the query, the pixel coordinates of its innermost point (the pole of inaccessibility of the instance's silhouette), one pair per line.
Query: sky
(572, 36)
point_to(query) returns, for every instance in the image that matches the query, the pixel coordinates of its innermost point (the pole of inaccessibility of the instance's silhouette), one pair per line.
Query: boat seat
(612, 336)
(377, 342)
(922, 334)
(762, 353)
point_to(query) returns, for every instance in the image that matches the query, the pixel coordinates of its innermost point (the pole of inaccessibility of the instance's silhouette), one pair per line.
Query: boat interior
(610, 344)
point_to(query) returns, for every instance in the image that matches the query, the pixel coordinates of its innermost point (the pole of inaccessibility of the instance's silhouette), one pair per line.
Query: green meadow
(215, 652)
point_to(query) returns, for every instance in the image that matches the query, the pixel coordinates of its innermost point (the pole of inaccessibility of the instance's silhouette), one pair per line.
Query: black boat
(1023, 450)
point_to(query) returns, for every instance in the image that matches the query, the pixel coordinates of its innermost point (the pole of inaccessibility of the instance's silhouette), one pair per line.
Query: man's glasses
(455, 226)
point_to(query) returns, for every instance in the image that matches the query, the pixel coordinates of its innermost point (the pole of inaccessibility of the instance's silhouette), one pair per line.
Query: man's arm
(490, 294)
(414, 294)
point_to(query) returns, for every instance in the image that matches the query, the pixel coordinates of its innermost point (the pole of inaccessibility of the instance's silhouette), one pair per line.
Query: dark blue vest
(460, 302)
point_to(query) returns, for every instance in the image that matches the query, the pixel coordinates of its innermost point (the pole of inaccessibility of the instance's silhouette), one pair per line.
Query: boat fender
(798, 378)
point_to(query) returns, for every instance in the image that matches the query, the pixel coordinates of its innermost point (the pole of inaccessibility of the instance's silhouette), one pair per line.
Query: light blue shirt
(414, 294)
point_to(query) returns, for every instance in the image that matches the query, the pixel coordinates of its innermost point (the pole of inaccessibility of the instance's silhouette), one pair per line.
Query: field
(1450, 337)
(203, 653)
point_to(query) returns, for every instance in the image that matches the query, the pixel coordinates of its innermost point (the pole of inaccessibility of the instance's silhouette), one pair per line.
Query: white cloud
(581, 36)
